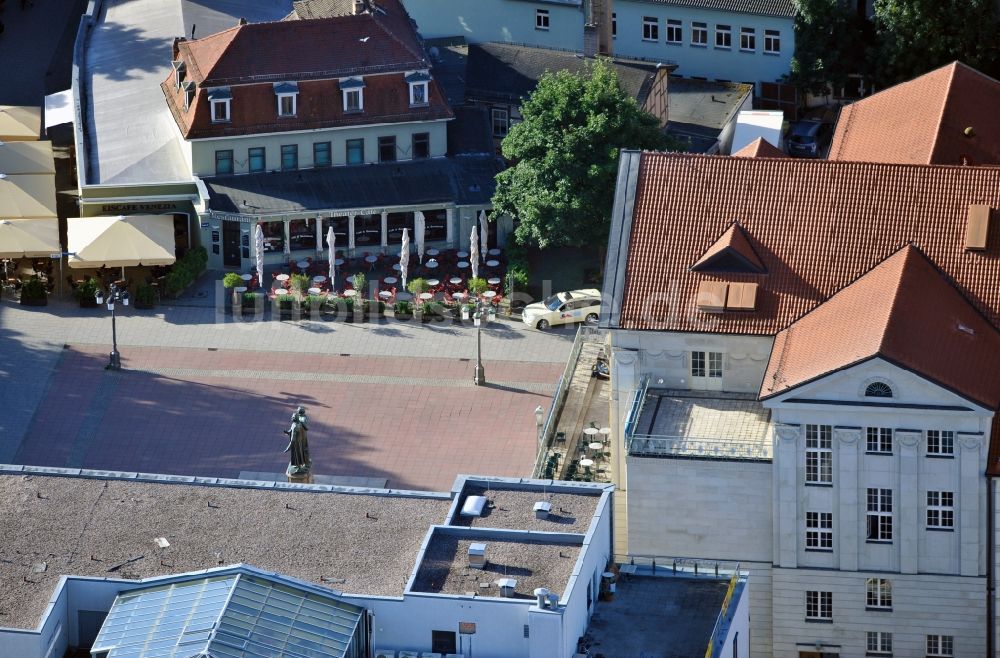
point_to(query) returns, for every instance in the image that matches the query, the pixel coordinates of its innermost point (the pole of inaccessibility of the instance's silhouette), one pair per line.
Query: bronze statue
(298, 444)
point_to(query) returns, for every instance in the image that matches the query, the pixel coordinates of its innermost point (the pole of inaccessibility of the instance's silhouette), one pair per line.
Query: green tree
(831, 43)
(916, 36)
(565, 157)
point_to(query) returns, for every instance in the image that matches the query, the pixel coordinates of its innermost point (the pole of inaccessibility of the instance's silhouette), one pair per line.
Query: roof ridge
(803, 162)
(392, 34)
(944, 108)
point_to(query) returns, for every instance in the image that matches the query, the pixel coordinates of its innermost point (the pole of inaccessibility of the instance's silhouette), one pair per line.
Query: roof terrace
(698, 424)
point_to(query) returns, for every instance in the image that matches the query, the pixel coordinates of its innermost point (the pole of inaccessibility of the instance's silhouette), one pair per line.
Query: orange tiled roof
(924, 121)
(760, 148)
(905, 311)
(815, 225)
(733, 246)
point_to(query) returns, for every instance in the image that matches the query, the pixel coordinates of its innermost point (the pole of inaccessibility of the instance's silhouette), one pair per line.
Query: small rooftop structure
(760, 148)
(700, 425)
(514, 508)
(700, 110)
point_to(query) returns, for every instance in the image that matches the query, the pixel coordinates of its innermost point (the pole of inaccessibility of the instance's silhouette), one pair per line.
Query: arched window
(878, 390)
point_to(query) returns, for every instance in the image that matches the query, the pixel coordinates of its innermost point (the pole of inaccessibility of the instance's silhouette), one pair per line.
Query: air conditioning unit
(507, 586)
(477, 556)
(473, 506)
(542, 509)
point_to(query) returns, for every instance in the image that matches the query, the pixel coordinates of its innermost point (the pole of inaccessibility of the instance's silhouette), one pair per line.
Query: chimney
(602, 18)
(359, 7)
(477, 556)
(176, 47)
(242, 21)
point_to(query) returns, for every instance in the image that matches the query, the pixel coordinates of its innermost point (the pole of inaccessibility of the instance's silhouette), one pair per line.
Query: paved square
(198, 396)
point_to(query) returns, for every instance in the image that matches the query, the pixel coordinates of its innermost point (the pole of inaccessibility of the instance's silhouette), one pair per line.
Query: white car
(564, 308)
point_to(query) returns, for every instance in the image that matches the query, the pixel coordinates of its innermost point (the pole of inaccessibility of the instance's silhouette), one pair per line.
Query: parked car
(564, 308)
(808, 138)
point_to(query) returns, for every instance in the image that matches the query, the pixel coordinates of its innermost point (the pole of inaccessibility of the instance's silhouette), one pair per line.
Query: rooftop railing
(645, 445)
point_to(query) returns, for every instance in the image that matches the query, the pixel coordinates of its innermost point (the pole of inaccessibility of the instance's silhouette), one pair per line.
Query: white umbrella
(418, 230)
(474, 253)
(331, 242)
(404, 256)
(484, 231)
(258, 244)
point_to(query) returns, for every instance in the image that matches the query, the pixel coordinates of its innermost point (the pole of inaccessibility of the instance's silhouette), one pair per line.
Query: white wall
(739, 625)
(594, 557)
(499, 20)
(922, 604)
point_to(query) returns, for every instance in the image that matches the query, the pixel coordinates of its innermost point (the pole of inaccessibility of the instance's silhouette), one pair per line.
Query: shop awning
(26, 158)
(120, 241)
(29, 238)
(20, 123)
(26, 196)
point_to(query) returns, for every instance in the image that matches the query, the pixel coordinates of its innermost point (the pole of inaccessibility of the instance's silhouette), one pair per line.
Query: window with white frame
(723, 36)
(287, 105)
(819, 531)
(941, 443)
(878, 441)
(220, 110)
(878, 594)
(180, 71)
(941, 510)
(879, 515)
(772, 42)
(614, 25)
(650, 28)
(541, 19)
(418, 93)
(819, 606)
(819, 454)
(879, 643)
(706, 364)
(748, 39)
(501, 121)
(353, 90)
(189, 91)
(675, 31)
(699, 34)
(940, 645)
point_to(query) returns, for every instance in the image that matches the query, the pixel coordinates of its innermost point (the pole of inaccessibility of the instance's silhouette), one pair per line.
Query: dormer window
(353, 90)
(180, 72)
(418, 81)
(219, 98)
(189, 90)
(287, 94)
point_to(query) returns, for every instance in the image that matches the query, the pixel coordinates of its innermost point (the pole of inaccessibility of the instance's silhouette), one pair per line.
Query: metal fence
(645, 445)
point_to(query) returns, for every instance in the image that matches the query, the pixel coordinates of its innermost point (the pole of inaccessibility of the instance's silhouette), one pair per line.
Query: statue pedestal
(299, 477)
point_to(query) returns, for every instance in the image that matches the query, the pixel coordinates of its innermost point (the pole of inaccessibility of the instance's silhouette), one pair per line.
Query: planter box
(88, 303)
(41, 301)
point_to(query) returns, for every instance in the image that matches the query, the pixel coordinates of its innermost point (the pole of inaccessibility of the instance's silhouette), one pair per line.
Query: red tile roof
(815, 225)
(760, 148)
(905, 311)
(924, 121)
(733, 247)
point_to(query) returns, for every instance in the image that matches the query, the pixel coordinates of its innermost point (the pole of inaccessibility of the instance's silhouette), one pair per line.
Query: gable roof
(816, 226)
(732, 250)
(905, 311)
(760, 148)
(323, 48)
(503, 72)
(924, 121)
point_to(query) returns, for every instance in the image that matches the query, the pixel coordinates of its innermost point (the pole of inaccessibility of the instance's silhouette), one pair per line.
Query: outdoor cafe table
(319, 278)
(240, 289)
(493, 281)
(432, 264)
(433, 252)
(371, 260)
(490, 294)
(606, 431)
(281, 277)
(492, 263)
(494, 252)
(459, 295)
(426, 296)
(302, 264)
(350, 293)
(390, 279)
(280, 291)
(404, 296)
(591, 431)
(586, 462)
(385, 294)
(397, 267)
(315, 291)
(246, 277)
(455, 280)
(338, 262)
(462, 254)
(463, 264)
(433, 282)
(596, 445)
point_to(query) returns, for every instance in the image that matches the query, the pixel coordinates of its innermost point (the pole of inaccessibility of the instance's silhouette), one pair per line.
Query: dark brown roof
(905, 311)
(815, 225)
(924, 121)
(760, 148)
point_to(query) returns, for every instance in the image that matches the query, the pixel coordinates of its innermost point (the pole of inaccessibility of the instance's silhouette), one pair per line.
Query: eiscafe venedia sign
(120, 208)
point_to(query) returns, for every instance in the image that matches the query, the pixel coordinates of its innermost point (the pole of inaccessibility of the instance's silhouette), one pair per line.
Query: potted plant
(360, 283)
(33, 293)
(477, 286)
(468, 309)
(251, 303)
(300, 283)
(145, 297)
(426, 313)
(402, 310)
(232, 280)
(86, 293)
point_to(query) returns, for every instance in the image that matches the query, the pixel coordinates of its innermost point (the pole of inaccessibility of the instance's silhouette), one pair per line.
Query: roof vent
(473, 506)
(964, 328)
(542, 509)
(712, 296)
(977, 227)
(541, 597)
(507, 586)
(741, 297)
(477, 556)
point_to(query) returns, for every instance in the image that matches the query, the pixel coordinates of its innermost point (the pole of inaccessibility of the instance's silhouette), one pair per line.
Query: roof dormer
(189, 90)
(418, 82)
(287, 94)
(219, 99)
(732, 253)
(353, 90)
(180, 72)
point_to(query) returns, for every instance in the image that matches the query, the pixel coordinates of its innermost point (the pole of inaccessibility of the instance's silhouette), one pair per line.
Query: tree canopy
(564, 157)
(831, 43)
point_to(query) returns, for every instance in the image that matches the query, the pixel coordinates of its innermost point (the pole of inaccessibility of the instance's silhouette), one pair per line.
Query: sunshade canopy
(29, 238)
(120, 241)
(24, 196)
(20, 123)
(26, 158)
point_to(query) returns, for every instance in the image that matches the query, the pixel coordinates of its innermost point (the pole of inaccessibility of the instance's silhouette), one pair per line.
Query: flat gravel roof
(513, 509)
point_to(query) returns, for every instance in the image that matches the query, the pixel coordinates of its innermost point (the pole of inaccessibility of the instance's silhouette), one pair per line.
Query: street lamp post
(479, 318)
(115, 294)
(539, 422)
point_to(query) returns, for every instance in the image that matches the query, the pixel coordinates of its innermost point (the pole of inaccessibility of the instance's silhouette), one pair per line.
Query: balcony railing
(645, 445)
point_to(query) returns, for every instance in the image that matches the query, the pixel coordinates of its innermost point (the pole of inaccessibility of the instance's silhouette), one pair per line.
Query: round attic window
(878, 390)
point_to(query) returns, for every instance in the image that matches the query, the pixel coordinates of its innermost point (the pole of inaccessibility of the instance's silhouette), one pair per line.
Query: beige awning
(26, 196)
(20, 123)
(26, 158)
(120, 241)
(29, 238)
